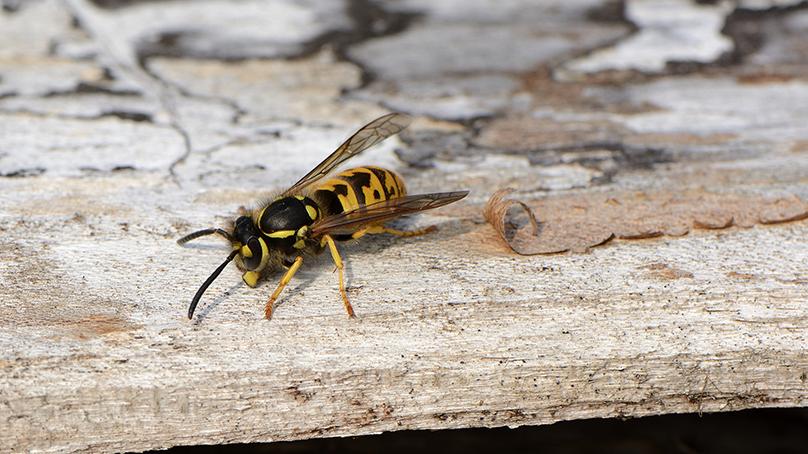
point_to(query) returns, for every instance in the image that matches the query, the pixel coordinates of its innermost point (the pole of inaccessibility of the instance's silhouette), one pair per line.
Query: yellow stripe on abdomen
(343, 190)
(390, 181)
(360, 186)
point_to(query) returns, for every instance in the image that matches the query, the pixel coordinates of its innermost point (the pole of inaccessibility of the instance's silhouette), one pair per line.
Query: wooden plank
(107, 160)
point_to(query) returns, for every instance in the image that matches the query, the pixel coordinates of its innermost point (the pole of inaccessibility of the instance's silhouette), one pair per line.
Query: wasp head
(253, 252)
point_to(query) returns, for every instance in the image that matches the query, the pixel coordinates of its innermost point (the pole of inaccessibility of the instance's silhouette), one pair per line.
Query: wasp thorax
(287, 215)
(285, 221)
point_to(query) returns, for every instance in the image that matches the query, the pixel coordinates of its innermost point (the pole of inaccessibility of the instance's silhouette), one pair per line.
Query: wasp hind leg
(374, 229)
(284, 280)
(338, 262)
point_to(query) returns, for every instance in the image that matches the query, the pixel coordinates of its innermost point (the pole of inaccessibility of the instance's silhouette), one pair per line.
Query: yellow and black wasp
(307, 218)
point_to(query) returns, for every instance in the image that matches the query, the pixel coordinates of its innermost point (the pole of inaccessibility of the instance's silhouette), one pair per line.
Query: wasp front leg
(284, 280)
(326, 239)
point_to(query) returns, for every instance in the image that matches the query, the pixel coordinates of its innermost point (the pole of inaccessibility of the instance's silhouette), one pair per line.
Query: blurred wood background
(662, 144)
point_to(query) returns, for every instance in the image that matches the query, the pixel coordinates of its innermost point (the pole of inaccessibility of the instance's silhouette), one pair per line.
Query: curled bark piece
(496, 210)
(496, 213)
(513, 230)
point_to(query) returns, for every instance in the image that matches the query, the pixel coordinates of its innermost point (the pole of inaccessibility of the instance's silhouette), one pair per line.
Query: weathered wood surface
(124, 125)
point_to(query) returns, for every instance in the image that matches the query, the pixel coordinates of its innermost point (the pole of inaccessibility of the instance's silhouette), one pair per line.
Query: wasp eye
(251, 254)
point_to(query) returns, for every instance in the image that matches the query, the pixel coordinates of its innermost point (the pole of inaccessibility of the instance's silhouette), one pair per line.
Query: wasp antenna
(207, 283)
(197, 234)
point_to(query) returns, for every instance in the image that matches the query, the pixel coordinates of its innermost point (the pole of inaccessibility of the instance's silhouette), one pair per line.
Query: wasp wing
(371, 134)
(376, 213)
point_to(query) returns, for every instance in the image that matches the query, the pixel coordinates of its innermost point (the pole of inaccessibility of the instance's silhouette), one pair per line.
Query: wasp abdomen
(356, 187)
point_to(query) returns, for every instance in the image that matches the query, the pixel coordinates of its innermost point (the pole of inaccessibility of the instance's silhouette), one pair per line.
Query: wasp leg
(338, 262)
(383, 229)
(284, 280)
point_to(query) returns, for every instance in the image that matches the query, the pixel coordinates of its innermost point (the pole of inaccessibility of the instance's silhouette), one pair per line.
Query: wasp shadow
(316, 264)
(301, 280)
(201, 313)
(377, 242)
(202, 246)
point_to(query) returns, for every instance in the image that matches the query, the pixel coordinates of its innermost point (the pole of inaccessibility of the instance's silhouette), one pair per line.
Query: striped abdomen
(356, 187)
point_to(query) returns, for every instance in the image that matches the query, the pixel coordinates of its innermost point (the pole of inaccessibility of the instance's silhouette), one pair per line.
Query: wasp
(316, 212)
